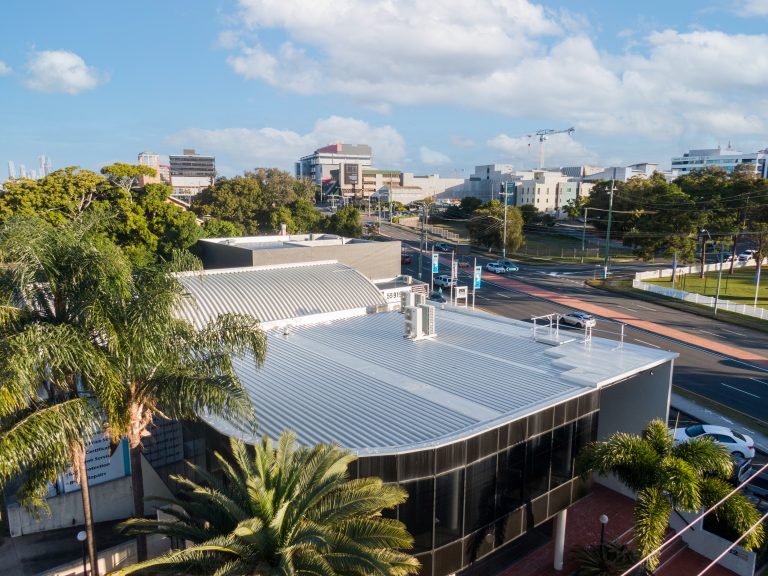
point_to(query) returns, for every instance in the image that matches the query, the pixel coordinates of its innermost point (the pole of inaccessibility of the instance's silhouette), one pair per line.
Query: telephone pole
(608, 233)
(504, 238)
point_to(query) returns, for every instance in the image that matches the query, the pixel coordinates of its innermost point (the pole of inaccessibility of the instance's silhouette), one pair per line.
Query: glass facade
(472, 497)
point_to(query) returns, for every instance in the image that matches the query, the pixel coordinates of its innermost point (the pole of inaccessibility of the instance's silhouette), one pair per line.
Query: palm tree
(282, 510)
(167, 368)
(688, 477)
(53, 374)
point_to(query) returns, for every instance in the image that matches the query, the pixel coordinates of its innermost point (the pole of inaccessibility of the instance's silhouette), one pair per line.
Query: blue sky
(433, 87)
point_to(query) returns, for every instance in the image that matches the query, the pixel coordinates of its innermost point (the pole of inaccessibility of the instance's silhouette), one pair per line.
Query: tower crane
(544, 135)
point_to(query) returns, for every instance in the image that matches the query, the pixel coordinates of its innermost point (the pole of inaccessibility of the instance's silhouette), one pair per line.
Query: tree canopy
(486, 226)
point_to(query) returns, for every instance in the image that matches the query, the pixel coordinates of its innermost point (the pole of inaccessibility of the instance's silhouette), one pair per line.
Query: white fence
(693, 269)
(761, 313)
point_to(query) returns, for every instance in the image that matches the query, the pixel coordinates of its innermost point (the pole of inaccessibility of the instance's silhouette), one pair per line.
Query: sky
(434, 86)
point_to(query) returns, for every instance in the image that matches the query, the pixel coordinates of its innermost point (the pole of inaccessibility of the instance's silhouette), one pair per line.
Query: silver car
(739, 445)
(579, 319)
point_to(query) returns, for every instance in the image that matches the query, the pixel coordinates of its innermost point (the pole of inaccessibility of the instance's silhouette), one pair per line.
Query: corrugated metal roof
(359, 383)
(276, 294)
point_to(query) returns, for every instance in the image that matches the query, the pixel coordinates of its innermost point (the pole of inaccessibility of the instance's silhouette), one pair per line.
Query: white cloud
(252, 147)
(4, 68)
(513, 57)
(462, 142)
(433, 157)
(752, 8)
(559, 150)
(60, 71)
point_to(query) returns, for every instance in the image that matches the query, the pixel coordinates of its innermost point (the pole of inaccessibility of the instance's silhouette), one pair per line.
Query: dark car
(405, 259)
(442, 247)
(437, 297)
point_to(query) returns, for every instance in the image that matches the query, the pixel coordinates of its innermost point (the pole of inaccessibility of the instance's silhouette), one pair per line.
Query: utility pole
(608, 234)
(504, 237)
(422, 240)
(584, 234)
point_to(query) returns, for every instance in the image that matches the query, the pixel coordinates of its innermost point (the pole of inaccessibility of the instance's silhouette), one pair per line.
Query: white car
(444, 281)
(738, 444)
(580, 319)
(747, 255)
(495, 267)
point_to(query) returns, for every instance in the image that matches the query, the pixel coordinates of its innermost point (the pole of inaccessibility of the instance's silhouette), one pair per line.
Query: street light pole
(603, 522)
(504, 239)
(584, 234)
(82, 537)
(608, 234)
(422, 243)
(719, 276)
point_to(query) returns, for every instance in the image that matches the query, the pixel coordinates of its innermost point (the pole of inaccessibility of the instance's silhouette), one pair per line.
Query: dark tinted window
(693, 431)
(562, 454)
(450, 457)
(449, 507)
(481, 493)
(537, 465)
(417, 512)
(540, 422)
(415, 465)
(510, 479)
(481, 446)
(448, 559)
(384, 467)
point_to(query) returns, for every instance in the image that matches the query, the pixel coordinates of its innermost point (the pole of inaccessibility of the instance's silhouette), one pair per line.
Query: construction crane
(543, 136)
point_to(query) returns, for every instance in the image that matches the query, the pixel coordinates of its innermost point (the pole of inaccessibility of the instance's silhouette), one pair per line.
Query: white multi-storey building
(549, 191)
(727, 159)
(318, 165)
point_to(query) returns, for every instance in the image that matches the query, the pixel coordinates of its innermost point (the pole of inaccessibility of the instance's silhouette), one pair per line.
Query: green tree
(282, 510)
(56, 286)
(233, 199)
(486, 226)
(529, 213)
(166, 367)
(575, 206)
(126, 176)
(666, 477)
(217, 228)
(306, 218)
(344, 222)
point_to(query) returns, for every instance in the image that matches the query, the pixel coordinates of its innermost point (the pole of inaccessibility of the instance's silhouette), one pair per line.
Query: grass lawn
(738, 288)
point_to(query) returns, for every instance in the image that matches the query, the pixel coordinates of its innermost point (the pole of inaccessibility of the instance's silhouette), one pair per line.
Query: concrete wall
(109, 501)
(628, 406)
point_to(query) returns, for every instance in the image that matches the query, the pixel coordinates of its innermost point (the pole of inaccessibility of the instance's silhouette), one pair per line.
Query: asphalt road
(739, 385)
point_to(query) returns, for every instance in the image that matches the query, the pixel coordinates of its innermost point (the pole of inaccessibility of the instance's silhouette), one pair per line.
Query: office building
(318, 165)
(727, 159)
(191, 173)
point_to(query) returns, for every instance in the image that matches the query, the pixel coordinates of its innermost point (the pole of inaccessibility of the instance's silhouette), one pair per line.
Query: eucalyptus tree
(55, 283)
(282, 510)
(666, 477)
(168, 368)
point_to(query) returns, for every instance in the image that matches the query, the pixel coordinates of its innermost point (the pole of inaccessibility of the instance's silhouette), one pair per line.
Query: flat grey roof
(358, 382)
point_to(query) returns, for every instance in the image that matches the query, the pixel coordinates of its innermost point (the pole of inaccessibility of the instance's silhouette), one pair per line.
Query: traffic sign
(478, 276)
(435, 262)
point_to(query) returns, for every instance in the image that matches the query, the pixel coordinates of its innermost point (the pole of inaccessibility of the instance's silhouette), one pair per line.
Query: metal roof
(358, 382)
(279, 295)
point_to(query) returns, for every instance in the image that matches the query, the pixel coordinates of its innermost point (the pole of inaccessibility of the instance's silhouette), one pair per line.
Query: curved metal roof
(279, 294)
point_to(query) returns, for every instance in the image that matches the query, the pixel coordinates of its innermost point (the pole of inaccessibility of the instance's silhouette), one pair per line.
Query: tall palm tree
(687, 477)
(282, 510)
(54, 376)
(167, 368)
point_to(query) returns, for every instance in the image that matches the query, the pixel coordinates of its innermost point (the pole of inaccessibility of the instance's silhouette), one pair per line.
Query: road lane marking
(739, 390)
(646, 343)
(646, 308)
(711, 333)
(748, 430)
(503, 295)
(758, 380)
(732, 332)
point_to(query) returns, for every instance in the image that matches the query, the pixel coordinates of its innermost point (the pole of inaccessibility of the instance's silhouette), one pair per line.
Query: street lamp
(603, 522)
(504, 239)
(82, 536)
(719, 275)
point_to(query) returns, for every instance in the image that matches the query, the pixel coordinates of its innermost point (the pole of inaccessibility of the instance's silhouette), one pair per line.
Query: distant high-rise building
(11, 170)
(44, 168)
(727, 159)
(191, 174)
(149, 159)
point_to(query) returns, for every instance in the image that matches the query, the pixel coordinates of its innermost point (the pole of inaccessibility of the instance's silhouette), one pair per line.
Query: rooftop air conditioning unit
(427, 320)
(419, 298)
(406, 300)
(413, 322)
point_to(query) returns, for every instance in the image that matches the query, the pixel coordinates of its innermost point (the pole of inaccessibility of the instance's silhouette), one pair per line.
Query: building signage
(435, 262)
(101, 463)
(478, 276)
(454, 269)
(350, 173)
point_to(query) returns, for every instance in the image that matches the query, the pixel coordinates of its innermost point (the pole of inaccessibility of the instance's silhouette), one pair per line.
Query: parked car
(495, 267)
(444, 281)
(738, 444)
(747, 255)
(442, 247)
(405, 259)
(580, 319)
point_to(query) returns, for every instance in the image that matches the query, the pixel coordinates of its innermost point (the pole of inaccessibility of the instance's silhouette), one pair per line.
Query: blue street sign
(435, 263)
(478, 276)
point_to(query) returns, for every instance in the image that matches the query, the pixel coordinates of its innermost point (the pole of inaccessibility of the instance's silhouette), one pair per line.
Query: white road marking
(739, 390)
(726, 419)
(646, 307)
(711, 334)
(732, 332)
(503, 295)
(748, 429)
(646, 343)
(758, 380)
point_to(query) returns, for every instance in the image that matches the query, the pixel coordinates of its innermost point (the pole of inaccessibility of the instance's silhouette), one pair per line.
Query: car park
(444, 281)
(739, 445)
(579, 319)
(442, 247)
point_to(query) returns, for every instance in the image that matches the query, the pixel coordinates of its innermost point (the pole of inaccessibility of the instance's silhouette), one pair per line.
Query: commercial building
(191, 173)
(478, 417)
(318, 165)
(623, 173)
(549, 191)
(727, 159)
(152, 159)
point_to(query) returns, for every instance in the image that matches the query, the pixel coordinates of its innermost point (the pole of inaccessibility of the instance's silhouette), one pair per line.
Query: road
(740, 385)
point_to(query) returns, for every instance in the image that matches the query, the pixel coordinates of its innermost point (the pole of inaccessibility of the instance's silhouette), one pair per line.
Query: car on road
(444, 281)
(442, 247)
(405, 259)
(739, 445)
(437, 297)
(464, 263)
(495, 267)
(747, 255)
(579, 319)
